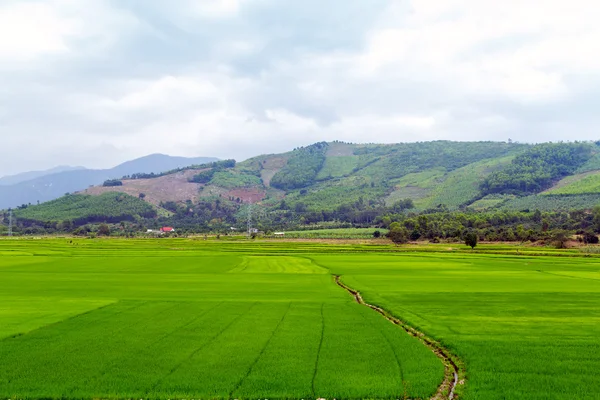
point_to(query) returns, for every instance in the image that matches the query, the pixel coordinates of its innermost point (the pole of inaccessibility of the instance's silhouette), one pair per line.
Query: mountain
(356, 183)
(54, 185)
(26, 176)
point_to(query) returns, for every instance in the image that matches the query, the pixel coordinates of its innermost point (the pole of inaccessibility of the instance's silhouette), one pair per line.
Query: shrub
(471, 239)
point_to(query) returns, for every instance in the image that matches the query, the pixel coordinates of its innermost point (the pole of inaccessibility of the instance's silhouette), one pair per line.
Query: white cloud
(234, 78)
(215, 8)
(31, 29)
(522, 49)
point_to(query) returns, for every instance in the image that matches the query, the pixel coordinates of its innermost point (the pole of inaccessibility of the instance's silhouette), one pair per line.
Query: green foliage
(398, 233)
(223, 164)
(230, 180)
(471, 239)
(203, 177)
(112, 183)
(401, 159)
(302, 167)
(81, 209)
(219, 167)
(537, 168)
(461, 186)
(553, 202)
(593, 164)
(103, 230)
(339, 233)
(577, 184)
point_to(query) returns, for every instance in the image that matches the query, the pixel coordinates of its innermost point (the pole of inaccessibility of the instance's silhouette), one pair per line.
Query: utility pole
(10, 223)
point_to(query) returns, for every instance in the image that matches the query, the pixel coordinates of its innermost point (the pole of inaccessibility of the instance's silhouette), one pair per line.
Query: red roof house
(166, 229)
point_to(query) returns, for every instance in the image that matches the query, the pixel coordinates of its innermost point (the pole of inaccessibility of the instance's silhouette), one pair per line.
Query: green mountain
(325, 181)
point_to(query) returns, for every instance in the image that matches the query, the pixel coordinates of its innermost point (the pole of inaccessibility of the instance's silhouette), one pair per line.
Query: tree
(103, 230)
(377, 234)
(471, 239)
(560, 238)
(398, 233)
(590, 238)
(142, 196)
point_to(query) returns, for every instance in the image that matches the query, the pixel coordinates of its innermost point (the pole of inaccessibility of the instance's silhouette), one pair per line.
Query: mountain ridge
(54, 185)
(358, 183)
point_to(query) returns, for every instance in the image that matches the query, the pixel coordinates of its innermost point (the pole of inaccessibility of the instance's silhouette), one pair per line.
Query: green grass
(577, 184)
(185, 318)
(340, 233)
(490, 201)
(462, 185)
(330, 194)
(231, 180)
(526, 328)
(174, 319)
(553, 202)
(335, 167)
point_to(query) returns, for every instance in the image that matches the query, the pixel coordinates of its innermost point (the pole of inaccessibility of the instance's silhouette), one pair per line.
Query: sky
(99, 82)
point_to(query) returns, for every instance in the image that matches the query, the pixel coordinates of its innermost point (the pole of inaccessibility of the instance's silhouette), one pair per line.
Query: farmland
(184, 318)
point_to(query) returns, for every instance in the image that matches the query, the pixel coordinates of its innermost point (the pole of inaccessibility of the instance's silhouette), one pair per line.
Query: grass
(185, 318)
(489, 202)
(553, 202)
(335, 167)
(173, 319)
(525, 327)
(577, 184)
(461, 185)
(340, 233)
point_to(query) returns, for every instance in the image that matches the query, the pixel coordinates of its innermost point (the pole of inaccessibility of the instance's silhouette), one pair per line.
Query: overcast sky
(97, 82)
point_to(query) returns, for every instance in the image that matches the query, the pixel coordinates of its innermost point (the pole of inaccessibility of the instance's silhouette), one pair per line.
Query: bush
(112, 182)
(398, 233)
(590, 238)
(471, 239)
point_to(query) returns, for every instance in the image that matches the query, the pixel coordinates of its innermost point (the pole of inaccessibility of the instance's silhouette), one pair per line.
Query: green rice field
(194, 319)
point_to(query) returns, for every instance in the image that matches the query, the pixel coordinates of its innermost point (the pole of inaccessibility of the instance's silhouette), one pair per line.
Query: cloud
(236, 78)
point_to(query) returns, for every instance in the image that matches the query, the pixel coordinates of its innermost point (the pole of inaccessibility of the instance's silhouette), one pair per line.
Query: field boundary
(454, 369)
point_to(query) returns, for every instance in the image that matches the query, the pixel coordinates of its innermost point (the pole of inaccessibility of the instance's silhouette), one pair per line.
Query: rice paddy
(187, 319)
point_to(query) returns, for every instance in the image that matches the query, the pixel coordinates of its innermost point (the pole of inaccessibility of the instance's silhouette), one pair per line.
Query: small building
(167, 229)
(279, 233)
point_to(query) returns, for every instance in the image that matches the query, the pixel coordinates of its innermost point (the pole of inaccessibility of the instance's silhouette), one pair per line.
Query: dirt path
(454, 369)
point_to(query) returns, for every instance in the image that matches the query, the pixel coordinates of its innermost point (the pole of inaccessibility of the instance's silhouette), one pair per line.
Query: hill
(50, 186)
(355, 184)
(81, 209)
(27, 176)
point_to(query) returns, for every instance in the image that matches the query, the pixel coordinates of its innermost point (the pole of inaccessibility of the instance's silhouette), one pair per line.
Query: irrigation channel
(453, 367)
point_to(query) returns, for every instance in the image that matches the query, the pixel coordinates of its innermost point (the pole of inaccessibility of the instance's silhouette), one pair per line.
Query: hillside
(80, 209)
(358, 182)
(49, 186)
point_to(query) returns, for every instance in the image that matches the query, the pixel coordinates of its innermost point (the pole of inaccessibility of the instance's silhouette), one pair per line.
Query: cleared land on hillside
(174, 187)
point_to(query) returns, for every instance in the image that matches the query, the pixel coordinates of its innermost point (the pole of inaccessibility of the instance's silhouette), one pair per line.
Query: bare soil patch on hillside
(340, 150)
(174, 187)
(271, 166)
(252, 195)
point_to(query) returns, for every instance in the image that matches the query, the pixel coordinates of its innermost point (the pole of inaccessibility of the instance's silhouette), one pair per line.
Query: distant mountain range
(324, 181)
(40, 186)
(27, 176)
